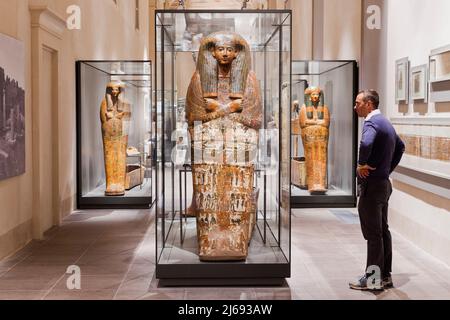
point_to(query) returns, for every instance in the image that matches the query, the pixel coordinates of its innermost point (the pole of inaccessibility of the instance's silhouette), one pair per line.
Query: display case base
(323, 202)
(269, 282)
(334, 198)
(116, 204)
(137, 198)
(179, 264)
(222, 274)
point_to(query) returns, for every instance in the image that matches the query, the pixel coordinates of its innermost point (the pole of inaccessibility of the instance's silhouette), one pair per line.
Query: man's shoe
(387, 283)
(362, 285)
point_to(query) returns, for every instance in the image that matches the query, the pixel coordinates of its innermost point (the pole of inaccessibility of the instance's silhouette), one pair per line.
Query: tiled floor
(115, 252)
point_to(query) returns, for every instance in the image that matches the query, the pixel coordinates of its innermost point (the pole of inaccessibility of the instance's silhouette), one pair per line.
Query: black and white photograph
(12, 108)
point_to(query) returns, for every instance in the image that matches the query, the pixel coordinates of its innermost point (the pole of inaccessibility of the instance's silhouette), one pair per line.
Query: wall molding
(424, 120)
(15, 238)
(45, 18)
(47, 30)
(421, 235)
(423, 181)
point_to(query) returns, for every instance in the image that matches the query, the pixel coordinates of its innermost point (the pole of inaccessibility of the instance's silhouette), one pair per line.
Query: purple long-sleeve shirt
(381, 147)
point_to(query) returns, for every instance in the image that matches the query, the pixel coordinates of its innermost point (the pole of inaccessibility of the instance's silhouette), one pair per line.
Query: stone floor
(115, 252)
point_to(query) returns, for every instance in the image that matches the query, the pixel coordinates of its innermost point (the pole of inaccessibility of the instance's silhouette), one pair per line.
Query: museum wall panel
(336, 29)
(373, 49)
(115, 38)
(302, 26)
(420, 202)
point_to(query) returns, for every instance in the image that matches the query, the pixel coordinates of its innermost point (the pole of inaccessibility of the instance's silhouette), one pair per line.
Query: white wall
(302, 29)
(342, 30)
(336, 29)
(414, 28)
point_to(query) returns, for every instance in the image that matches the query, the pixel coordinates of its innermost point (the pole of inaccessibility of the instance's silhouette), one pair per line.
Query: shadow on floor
(399, 281)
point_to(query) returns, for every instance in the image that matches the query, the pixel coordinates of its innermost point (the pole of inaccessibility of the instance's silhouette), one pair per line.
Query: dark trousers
(373, 214)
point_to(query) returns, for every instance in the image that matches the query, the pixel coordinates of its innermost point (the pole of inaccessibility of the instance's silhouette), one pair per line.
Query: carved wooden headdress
(115, 84)
(310, 91)
(109, 87)
(207, 65)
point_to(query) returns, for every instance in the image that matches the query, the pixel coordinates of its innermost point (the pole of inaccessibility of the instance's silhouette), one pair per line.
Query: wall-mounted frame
(440, 74)
(12, 107)
(419, 83)
(402, 80)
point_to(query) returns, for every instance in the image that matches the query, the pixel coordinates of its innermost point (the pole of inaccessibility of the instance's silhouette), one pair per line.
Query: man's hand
(212, 105)
(364, 171)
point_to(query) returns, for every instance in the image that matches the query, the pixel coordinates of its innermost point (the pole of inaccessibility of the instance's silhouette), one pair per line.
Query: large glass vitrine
(338, 82)
(178, 38)
(114, 136)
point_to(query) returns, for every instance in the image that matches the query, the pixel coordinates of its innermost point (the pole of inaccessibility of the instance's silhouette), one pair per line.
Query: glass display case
(324, 134)
(223, 179)
(114, 134)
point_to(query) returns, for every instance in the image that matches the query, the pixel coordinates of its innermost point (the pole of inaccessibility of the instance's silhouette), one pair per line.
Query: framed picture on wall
(402, 81)
(419, 83)
(12, 107)
(439, 75)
